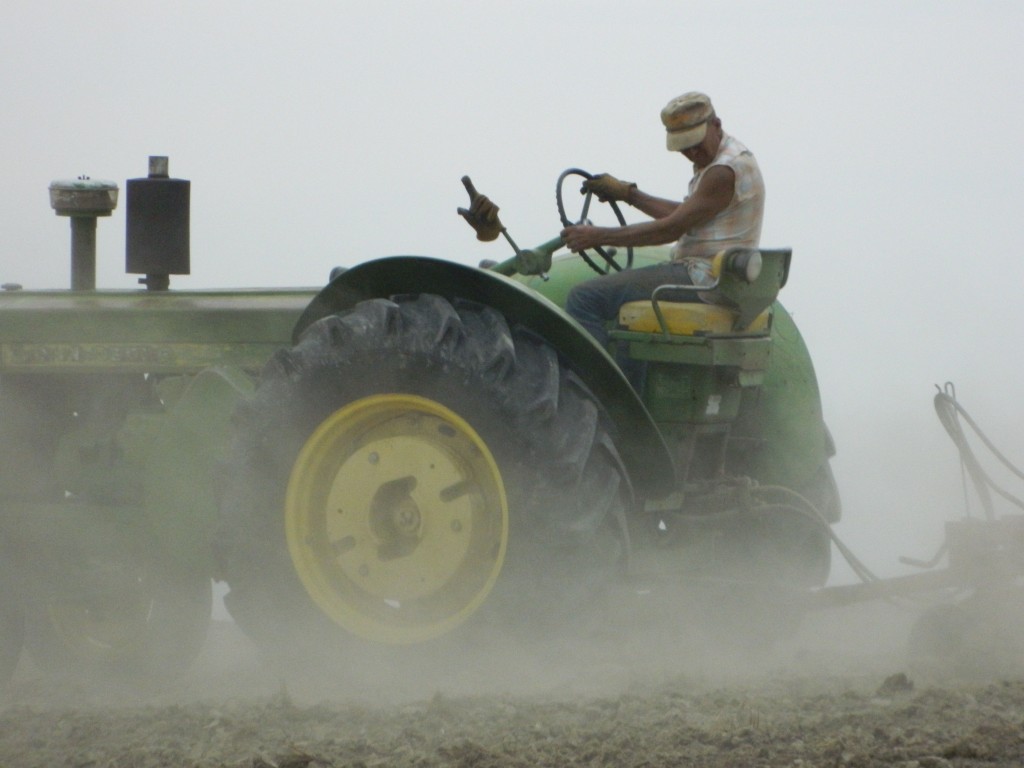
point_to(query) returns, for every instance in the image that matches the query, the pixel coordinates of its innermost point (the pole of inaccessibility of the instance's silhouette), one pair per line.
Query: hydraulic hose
(950, 412)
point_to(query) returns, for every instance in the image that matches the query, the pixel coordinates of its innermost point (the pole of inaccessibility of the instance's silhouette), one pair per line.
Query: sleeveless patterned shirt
(738, 225)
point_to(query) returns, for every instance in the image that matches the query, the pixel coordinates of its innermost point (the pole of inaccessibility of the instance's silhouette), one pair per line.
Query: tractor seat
(688, 319)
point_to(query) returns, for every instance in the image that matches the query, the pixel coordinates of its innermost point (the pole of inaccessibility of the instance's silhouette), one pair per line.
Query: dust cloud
(833, 683)
(641, 643)
(650, 686)
(644, 696)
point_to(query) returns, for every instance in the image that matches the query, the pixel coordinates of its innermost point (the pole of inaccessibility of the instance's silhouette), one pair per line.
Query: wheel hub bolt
(407, 516)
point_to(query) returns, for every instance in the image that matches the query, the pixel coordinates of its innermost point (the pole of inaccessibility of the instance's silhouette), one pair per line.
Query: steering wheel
(607, 256)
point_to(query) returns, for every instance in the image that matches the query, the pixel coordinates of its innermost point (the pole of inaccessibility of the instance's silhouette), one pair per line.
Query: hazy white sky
(324, 133)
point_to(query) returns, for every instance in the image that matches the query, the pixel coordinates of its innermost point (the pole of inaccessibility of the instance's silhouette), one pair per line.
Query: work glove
(482, 214)
(607, 187)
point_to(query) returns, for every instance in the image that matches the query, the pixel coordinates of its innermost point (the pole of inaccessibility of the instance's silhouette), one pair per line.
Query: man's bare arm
(711, 197)
(655, 207)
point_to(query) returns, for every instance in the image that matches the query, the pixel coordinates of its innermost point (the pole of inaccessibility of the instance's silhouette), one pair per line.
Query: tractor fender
(641, 445)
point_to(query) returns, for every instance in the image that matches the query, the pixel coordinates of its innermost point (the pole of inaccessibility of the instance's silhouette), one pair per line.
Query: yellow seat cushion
(686, 318)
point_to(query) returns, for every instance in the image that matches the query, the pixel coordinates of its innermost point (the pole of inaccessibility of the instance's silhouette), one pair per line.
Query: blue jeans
(595, 302)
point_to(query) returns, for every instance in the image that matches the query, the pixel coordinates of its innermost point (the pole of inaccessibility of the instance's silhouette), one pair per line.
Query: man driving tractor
(723, 208)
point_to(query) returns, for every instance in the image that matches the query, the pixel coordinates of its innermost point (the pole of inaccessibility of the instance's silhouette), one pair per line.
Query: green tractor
(418, 452)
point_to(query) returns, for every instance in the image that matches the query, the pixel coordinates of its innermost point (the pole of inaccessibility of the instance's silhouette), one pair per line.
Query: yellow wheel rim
(396, 518)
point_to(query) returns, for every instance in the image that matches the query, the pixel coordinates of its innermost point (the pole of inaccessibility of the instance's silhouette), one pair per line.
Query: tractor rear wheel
(414, 467)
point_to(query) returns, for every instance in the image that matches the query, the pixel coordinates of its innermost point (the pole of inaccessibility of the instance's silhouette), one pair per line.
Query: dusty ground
(842, 694)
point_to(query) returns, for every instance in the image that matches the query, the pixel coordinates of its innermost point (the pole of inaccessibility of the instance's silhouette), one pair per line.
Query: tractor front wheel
(12, 624)
(108, 613)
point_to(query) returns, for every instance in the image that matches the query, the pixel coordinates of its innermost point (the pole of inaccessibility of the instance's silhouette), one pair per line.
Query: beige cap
(686, 120)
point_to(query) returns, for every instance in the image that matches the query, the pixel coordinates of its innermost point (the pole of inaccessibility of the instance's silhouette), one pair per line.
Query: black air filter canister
(157, 234)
